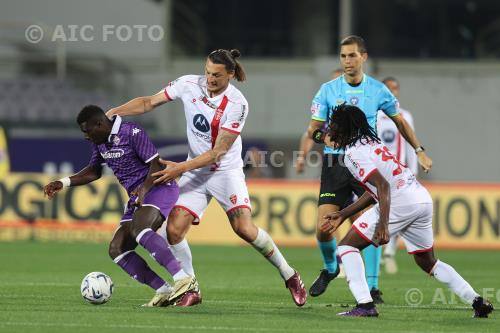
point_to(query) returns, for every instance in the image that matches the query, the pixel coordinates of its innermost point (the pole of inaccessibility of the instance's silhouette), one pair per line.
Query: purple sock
(139, 270)
(159, 250)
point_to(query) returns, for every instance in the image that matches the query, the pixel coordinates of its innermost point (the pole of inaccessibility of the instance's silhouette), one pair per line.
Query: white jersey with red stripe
(206, 117)
(390, 136)
(364, 158)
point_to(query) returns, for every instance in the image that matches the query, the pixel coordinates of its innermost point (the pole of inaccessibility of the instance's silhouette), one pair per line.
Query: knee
(175, 235)
(426, 263)
(114, 250)
(246, 230)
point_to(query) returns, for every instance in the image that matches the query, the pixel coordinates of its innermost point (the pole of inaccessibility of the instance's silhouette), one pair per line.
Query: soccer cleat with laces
(376, 295)
(359, 311)
(159, 299)
(482, 308)
(181, 287)
(321, 283)
(297, 289)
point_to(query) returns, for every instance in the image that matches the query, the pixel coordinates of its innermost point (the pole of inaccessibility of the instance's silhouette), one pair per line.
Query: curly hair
(348, 124)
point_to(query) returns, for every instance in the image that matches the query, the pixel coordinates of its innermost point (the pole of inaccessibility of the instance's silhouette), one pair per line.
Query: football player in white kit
(402, 205)
(404, 152)
(215, 115)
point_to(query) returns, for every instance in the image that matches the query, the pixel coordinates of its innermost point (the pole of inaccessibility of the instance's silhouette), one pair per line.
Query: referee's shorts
(337, 183)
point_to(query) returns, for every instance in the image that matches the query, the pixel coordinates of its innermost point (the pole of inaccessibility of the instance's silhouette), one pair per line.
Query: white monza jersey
(206, 117)
(390, 136)
(364, 158)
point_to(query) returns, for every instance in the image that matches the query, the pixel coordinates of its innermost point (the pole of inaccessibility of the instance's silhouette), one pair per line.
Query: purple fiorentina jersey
(127, 153)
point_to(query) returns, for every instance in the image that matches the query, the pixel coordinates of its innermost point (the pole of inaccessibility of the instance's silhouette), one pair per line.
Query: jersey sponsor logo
(205, 137)
(323, 195)
(354, 100)
(233, 198)
(113, 153)
(388, 136)
(201, 123)
(235, 125)
(136, 131)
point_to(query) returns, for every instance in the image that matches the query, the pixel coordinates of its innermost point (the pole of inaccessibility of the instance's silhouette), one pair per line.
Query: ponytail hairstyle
(229, 60)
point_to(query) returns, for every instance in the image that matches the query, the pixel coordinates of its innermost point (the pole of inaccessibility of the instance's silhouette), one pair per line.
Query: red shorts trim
(363, 235)
(421, 251)
(346, 252)
(196, 217)
(241, 206)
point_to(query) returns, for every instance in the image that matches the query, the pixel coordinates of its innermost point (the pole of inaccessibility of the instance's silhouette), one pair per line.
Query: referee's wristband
(318, 136)
(66, 182)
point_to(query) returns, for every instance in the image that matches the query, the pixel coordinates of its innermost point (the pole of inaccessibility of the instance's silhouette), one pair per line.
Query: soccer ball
(96, 288)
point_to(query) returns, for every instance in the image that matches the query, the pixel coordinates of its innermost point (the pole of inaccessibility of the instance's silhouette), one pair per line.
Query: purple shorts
(162, 197)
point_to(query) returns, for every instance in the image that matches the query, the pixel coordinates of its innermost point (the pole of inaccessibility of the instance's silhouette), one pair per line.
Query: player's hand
(381, 235)
(424, 161)
(52, 188)
(300, 165)
(331, 222)
(110, 113)
(171, 172)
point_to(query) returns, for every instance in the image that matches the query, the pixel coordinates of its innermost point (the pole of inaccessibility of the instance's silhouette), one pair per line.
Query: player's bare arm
(313, 126)
(410, 136)
(141, 190)
(86, 175)
(172, 170)
(306, 145)
(332, 221)
(381, 235)
(139, 105)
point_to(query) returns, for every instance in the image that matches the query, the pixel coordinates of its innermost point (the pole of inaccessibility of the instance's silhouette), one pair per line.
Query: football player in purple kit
(128, 151)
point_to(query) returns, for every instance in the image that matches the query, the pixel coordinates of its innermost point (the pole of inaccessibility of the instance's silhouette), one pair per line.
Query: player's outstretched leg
(389, 256)
(145, 222)
(372, 257)
(243, 226)
(328, 248)
(121, 250)
(447, 274)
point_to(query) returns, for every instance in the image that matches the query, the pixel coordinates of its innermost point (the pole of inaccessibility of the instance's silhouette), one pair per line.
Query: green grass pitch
(39, 292)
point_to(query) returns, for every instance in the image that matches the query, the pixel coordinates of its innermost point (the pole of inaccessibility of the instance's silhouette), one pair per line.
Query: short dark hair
(390, 78)
(353, 39)
(89, 112)
(229, 60)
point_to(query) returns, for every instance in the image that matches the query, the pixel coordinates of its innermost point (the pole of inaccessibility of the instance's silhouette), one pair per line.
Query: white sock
(391, 247)
(183, 253)
(166, 288)
(180, 275)
(447, 274)
(265, 245)
(355, 273)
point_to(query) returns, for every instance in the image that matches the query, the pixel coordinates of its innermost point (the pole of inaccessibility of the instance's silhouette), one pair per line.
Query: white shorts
(412, 222)
(227, 187)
